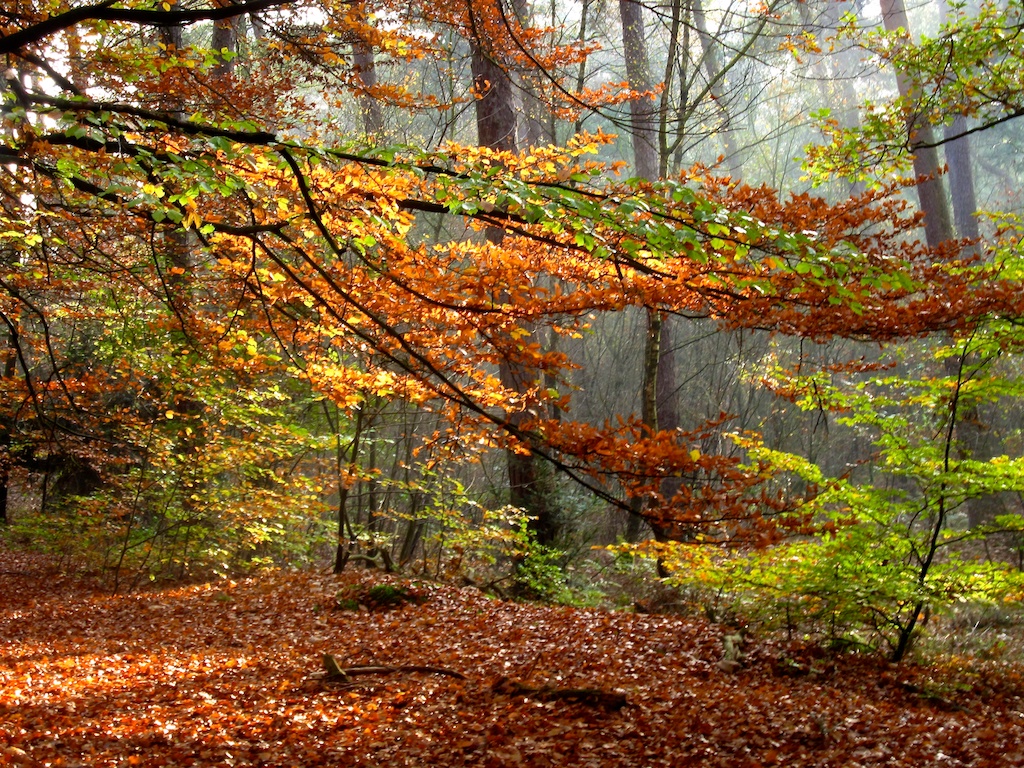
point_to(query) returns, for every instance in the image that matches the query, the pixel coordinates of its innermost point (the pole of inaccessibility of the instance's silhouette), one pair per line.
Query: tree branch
(186, 127)
(103, 11)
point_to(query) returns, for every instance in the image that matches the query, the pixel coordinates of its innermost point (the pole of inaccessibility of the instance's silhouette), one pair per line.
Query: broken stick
(610, 700)
(335, 672)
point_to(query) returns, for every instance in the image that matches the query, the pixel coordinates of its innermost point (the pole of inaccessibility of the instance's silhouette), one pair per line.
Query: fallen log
(336, 673)
(595, 697)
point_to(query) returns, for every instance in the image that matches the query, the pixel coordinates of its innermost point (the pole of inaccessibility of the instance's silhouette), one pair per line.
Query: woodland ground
(225, 674)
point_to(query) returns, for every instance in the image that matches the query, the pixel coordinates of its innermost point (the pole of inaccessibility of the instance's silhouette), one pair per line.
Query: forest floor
(231, 674)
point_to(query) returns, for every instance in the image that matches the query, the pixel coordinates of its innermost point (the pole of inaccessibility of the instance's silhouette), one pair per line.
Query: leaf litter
(230, 674)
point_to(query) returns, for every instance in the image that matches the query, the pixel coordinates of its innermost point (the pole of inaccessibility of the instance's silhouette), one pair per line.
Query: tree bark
(714, 71)
(961, 170)
(180, 299)
(649, 403)
(171, 36)
(938, 226)
(530, 481)
(6, 427)
(581, 72)
(646, 157)
(225, 45)
(961, 179)
(5, 479)
(540, 122)
(495, 104)
(369, 106)
(643, 112)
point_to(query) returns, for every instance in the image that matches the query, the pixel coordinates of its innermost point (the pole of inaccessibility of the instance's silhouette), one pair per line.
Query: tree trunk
(643, 112)
(369, 106)
(659, 408)
(715, 72)
(667, 397)
(171, 35)
(961, 179)
(646, 156)
(180, 299)
(10, 369)
(834, 70)
(540, 122)
(495, 104)
(225, 45)
(675, 69)
(938, 226)
(648, 410)
(581, 72)
(5, 479)
(530, 481)
(346, 536)
(961, 170)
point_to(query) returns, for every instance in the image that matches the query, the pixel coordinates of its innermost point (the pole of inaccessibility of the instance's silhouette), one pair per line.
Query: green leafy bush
(895, 544)
(539, 575)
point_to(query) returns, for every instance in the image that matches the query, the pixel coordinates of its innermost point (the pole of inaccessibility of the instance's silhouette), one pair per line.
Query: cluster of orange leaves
(315, 254)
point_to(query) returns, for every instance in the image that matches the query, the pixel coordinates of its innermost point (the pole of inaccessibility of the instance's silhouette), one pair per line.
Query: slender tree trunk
(346, 536)
(581, 72)
(181, 274)
(8, 423)
(369, 106)
(667, 392)
(10, 357)
(714, 70)
(667, 397)
(539, 121)
(659, 409)
(6, 460)
(530, 481)
(938, 226)
(646, 161)
(225, 44)
(961, 169)
(5, 477)
(833, 71)
(649, 400)
(648, 412)
(675, 69)
(643, 110)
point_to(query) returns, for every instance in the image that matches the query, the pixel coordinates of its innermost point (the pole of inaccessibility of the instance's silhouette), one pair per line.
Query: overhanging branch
(105, 11)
